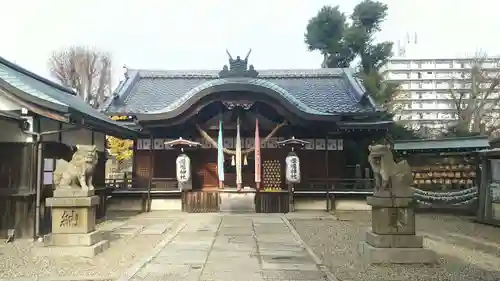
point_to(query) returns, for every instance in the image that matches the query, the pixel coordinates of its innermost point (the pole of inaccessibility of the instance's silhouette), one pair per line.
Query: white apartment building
(426, 102)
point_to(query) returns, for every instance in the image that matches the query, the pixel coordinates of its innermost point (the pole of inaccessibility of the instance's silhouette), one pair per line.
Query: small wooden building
(329, 108)
(445, 171)
(41, 121)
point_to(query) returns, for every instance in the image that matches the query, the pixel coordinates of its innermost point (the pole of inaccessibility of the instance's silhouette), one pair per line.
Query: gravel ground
(16, 259)
(468, 251)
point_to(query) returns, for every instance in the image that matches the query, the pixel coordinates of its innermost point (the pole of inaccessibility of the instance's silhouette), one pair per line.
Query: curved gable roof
(317, 91)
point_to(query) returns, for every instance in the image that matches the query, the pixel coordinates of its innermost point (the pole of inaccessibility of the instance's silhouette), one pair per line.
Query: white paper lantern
(183, 168)
(292, 169)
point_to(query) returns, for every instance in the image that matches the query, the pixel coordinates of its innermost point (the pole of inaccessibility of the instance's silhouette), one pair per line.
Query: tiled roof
(443, 144)
(50, 94)
(315, 91)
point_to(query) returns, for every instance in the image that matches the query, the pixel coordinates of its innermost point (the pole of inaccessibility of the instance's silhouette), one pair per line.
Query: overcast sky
(193, 34)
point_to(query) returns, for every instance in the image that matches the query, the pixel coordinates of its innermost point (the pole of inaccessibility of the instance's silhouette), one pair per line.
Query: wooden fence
(200, 201)
(272, 202)
(265, 201)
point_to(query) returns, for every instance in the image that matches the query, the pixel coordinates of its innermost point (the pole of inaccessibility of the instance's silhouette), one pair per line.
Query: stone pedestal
(73, 225)
(392, 237)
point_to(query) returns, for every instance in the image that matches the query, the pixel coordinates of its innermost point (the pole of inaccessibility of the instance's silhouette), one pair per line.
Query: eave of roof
(9, 115)
(40, 91)
(460, 143)
(366, 124)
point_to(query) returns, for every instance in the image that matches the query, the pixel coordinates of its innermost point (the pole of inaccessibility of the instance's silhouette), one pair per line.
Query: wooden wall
(10, 165)
(314, 165)
(17, 196)
(321, 164)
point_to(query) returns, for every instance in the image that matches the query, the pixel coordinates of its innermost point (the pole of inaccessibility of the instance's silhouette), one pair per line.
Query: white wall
(10, 131)
(100, 141)
(6, 104)
(46, 125)
(73, 137)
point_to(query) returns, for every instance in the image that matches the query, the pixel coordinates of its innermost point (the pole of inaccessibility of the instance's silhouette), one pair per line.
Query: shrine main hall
(328, 109)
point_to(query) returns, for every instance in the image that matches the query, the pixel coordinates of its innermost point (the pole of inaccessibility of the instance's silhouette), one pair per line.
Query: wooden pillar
(482, 188)
(135, 175)
(326, 157)
(151, 171)
(26, 182)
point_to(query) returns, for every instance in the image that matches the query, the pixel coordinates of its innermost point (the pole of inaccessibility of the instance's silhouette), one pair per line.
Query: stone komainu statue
(391, 179)
(78, 172)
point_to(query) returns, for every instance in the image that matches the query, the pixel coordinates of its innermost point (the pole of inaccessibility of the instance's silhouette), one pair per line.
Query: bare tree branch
(86, 70)
(477, 102)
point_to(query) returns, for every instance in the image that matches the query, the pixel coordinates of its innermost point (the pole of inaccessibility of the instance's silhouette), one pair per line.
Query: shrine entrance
(237, 117)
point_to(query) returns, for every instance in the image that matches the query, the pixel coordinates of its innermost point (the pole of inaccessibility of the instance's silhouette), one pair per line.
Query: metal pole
(39, 183)
(290, 197)
(327, 200)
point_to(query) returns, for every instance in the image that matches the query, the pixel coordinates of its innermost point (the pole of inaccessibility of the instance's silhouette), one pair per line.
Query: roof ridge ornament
(238, 67)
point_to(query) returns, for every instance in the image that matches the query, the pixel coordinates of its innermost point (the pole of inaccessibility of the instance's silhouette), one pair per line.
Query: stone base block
(394, 241)
(64, 202)
(73, 192)
(395, 192)
(393, 221)
(76, 220)
(397, 255)
(394, 202)
(73, 239)
(74, 251)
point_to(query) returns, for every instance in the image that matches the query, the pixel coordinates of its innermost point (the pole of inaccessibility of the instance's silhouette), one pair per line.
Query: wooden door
(207, 168)
(143, 167)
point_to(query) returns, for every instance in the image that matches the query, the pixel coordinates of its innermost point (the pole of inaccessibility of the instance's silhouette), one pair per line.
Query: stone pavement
(231, 247)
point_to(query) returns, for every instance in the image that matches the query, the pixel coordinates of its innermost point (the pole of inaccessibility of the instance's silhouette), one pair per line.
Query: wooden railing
(318, 184)
(329, 188)
(265, 202)
(134, 184)
(101, 208)
(120, 184)
(336, 184)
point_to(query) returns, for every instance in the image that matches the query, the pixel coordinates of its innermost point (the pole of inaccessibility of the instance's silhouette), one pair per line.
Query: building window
(419, 75)
(420, 85)
(421, 105)
(48, 170)
(420, 96)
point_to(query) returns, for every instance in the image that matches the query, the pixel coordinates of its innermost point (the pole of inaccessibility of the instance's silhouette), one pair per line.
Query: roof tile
(324, 91)
(51, 92)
